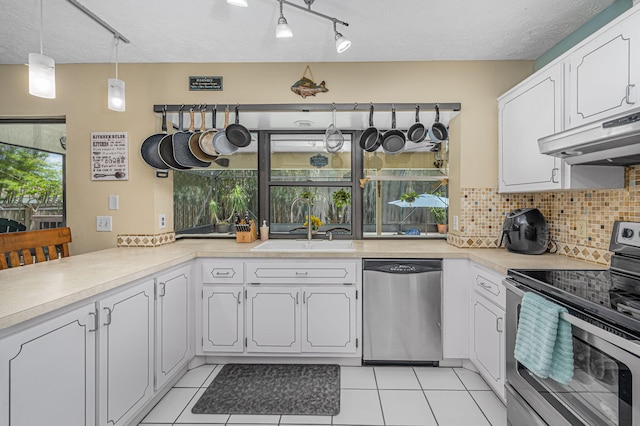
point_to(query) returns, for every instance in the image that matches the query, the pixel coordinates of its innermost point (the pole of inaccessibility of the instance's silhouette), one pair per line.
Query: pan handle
(437, 113)
(393, 117)
(418, 113)
(214, 111)
(164, 119)
(237, 116)
(371, 115)
(203, 117)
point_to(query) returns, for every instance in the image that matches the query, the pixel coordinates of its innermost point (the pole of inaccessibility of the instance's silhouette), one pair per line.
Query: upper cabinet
(528, 112)
(604, 74)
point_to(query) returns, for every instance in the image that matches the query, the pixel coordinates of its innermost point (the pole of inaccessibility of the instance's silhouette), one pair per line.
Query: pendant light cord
(41, 25)
(117, 42)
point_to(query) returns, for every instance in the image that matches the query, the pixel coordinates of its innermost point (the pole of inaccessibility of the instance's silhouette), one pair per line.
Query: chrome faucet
(308, 203)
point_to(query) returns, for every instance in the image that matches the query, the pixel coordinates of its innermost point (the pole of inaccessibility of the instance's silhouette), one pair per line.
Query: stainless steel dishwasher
(402, 311)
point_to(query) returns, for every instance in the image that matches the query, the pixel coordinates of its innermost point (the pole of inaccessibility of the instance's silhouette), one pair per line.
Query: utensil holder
(247, 236)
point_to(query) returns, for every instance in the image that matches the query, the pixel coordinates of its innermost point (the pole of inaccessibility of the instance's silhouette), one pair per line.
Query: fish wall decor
(306, 86)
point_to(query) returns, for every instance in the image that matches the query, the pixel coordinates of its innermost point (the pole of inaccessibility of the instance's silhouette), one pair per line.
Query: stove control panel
(627, 234)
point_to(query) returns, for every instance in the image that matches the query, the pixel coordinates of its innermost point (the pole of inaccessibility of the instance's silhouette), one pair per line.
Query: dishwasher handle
(403, 266)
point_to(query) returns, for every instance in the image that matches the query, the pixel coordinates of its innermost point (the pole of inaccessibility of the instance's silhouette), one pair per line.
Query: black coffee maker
(525, 231)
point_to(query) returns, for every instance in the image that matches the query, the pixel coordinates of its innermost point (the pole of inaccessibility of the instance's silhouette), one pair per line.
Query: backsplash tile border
(145, 240)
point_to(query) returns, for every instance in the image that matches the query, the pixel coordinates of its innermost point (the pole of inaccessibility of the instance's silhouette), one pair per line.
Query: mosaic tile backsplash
(483, 210)
(144, 240)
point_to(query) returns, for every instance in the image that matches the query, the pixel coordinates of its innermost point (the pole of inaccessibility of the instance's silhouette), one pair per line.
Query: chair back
(25, 248)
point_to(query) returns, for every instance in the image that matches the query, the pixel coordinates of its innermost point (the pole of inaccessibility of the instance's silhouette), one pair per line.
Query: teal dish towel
(544, 341)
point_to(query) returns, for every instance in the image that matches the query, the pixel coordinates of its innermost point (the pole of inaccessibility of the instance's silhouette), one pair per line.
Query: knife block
(247, 237)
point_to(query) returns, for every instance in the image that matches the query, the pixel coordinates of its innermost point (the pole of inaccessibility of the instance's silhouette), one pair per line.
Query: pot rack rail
(447, 106)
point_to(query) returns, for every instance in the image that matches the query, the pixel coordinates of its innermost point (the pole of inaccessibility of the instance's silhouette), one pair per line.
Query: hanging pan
(417, 132)
(165, 148)
(181, 150)
(220, 142)
(194, 141)
(393, 140)
(205, 143)
(237, 134)
(149, 149)
(371, 138)
(438, 131)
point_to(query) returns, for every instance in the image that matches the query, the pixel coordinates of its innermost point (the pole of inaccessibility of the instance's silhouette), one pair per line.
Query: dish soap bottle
(264, 231)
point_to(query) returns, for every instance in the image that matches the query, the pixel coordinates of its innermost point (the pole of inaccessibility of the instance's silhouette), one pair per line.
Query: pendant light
(241, 3)
(283, 30)
(342, 43)
(42, 69)
(116, 92)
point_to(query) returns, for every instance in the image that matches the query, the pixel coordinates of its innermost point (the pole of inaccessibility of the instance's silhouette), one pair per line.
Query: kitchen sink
(305, 245)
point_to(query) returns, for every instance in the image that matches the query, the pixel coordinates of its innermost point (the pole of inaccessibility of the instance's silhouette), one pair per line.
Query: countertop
(33, 290)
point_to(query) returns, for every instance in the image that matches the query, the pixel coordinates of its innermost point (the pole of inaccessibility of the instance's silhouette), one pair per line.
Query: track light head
(241, 3)
(342, 43)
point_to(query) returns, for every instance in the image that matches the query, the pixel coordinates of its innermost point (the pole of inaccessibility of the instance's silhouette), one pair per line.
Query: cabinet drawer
(488, 284)
(296, 272)
(223, 272)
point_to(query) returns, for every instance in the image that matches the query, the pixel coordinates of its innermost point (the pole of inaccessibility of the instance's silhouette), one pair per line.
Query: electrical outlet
(162, 223)
(456, 225)
(581, 228)
(114, 202)
(103, 223)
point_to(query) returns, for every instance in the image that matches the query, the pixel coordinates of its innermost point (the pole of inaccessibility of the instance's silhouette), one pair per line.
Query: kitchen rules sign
(109, 156)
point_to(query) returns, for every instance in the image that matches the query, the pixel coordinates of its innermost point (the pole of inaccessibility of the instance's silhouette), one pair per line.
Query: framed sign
(109, 156)
(205, 82)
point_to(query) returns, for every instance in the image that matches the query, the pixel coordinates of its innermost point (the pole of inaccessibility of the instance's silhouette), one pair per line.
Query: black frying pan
(181, 151)
(371, 138)
(237, 134)
(149, 149)
(417, 132)
(393, 140)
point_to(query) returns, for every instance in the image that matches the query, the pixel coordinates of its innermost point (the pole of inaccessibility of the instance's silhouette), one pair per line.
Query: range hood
(611, 142)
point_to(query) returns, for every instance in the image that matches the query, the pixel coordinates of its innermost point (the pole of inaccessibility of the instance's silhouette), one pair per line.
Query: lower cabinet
(126, 353)
(273, 319)
(47, 372)
(172, 346)
(223, 318)
(329, 319)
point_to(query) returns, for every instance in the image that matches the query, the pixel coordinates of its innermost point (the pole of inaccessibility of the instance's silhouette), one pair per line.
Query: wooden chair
(25, 248)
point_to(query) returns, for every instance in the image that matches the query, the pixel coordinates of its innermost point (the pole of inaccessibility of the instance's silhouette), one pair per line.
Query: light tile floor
(395, 396)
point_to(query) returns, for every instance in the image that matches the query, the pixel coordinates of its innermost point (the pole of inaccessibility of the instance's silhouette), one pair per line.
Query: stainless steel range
(604, 313)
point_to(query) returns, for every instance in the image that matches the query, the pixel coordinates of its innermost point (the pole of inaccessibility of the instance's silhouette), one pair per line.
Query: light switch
(103, 223)
(114, 202)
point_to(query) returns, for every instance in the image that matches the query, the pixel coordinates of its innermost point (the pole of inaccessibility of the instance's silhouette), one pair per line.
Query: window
(32, 161)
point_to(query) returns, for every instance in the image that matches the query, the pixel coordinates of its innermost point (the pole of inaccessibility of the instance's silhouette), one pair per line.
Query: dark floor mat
(293, 389)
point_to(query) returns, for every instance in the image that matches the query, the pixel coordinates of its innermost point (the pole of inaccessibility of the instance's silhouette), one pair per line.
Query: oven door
(605, 389)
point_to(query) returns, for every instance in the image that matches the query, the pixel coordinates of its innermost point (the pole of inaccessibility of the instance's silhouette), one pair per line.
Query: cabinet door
(604, 74)
(526, 114)
(273, 319)
(488, 353)
(329, 319)
(172, 323)
(47, 372)
(126, 353)
(222, 315)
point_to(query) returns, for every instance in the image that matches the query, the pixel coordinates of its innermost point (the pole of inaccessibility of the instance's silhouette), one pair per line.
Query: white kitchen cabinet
(172, 345)
(47, 372)
(329, 319)
(487, 339)
(273, 319)
(604, 73)
(302, 272)
(222, 315)
(531, 110)
(126, 353)
(223, 271)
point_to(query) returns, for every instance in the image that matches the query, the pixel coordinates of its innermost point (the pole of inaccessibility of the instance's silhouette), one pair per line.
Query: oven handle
(632, 346)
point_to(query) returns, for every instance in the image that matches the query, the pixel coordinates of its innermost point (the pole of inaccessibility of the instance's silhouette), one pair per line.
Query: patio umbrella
(424, 200)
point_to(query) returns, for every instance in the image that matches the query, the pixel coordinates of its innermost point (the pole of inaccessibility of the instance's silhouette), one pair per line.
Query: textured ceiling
(213, 31)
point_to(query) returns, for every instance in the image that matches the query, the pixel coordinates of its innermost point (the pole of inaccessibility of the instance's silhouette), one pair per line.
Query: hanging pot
(438, 131)
(149, 149)
(194, 142)
(371, 138)
(417, 132)
(181, 151)
(393, 140)
(206, 139)
(237, 134)
(220, 142)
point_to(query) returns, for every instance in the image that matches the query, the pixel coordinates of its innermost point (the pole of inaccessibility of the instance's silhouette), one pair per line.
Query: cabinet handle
(304, 297)
(222, 273)
(162, 288)
(499, 327)
(483, 285)
(628, 95)
(302, 273)
(239, 298)
(297, 302)
(554, 175)
(108, 316)
(95, 321)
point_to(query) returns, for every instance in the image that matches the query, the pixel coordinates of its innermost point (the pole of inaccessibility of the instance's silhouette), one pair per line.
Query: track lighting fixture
(342, 43)
(283, 30)
(116, 91)
(42, 69)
